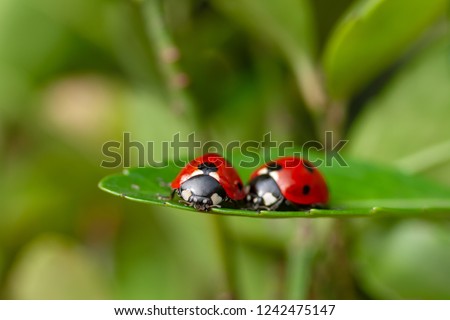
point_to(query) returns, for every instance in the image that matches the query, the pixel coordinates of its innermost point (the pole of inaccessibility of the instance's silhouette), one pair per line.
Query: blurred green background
(74, 75)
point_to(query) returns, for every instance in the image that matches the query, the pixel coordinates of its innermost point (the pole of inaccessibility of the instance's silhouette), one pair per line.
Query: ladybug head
(202, 192)
(264, 193)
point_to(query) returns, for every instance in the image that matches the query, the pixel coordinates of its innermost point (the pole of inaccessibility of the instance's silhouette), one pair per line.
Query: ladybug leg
(263, 208)
(276, 205)
(319, 206)
(186, 203)
(289, 206)
(197, 207)
(231, 204)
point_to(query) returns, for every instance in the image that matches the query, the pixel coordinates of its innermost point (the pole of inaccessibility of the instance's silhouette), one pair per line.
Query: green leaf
(370, 37)
(415, 103)
(357, 190)
(407, 260)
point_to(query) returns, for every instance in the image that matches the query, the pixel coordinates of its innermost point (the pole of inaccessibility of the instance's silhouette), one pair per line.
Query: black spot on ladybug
(207, 167)
(308, 166)
(239, 185)
(273, 166)
(306, 189)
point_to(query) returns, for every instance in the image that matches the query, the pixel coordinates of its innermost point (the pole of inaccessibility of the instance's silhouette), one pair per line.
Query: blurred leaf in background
(406, 123)
(395, 262)
(373, 34)
(52, 267)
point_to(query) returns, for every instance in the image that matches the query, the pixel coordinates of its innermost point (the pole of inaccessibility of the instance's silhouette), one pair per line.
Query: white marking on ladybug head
(249, 197)
(205, 200)
(263, 171)
(255, 200)
(214, 175)
(186, 194)
(197, 173)
(269, 199)
(216, 199)
(274, 175)
(183, 178)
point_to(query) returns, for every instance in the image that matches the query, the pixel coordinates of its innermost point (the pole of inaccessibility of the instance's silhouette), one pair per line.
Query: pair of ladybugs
(289, 183)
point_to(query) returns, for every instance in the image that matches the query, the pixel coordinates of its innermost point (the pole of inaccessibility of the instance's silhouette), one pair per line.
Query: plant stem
(311, 88)
(335, 117)
(310, 85)
(168, 57)
(328, 115)
(301, 252)
(227, 256)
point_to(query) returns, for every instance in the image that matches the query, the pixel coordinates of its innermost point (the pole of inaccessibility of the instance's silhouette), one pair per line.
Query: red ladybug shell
(294, 176)
(226, 175)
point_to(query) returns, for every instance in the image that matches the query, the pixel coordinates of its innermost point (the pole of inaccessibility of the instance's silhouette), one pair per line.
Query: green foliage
(372, 35)
(417, 116)
(52, 267)
(78, 74)
(395, 262)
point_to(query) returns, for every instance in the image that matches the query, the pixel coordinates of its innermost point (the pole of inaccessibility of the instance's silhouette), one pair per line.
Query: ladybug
(208, 181)
(289, 183)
